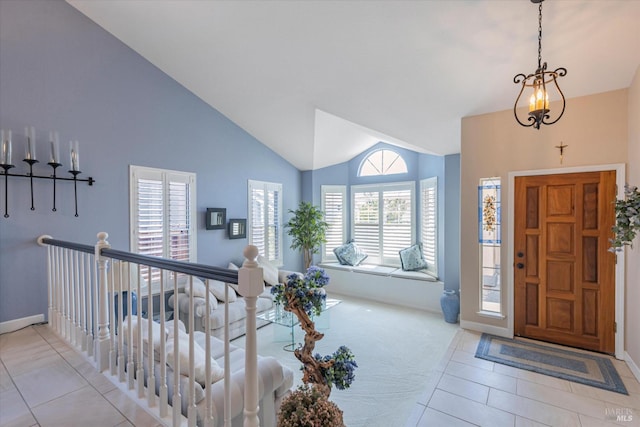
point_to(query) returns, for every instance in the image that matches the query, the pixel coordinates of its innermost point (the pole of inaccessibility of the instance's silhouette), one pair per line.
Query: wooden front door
(564, 274)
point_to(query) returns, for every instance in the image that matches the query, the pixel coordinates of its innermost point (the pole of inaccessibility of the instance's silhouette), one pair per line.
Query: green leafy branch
(627, 219)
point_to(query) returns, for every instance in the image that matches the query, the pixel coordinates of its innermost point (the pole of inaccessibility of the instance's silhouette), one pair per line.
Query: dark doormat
(581, 367)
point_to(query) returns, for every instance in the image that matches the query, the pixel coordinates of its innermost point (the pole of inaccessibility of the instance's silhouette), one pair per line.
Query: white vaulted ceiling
(320, 81)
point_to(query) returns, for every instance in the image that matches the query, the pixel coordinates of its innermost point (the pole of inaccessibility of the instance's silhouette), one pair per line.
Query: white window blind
(383, 220)
(397, 232)
(265, 219)
(334, 205)
(162, 215)
(179, 221)
(429, 222)
(366, 223)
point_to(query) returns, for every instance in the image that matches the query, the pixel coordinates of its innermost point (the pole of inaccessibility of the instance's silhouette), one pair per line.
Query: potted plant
(627, 219)
(308, 229)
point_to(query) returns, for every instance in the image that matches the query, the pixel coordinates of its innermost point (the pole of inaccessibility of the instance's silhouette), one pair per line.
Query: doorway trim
(620, 169)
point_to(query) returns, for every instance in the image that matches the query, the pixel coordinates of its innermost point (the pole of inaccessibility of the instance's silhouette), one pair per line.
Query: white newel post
(50, 277)
(251, 285)
(103, 341)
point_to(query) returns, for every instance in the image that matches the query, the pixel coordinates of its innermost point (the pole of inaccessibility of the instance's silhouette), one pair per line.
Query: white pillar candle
(54, 147)
(5, 154)
(30, 140)
(75, 155)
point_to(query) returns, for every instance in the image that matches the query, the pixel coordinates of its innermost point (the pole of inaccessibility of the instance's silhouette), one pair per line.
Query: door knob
(520, 265)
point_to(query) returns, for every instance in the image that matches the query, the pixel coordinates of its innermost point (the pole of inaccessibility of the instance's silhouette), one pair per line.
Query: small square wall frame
(237, 228)
(216, 218)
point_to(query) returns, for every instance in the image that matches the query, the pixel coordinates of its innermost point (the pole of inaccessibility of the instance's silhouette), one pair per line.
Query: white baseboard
(481, 327)
(635, 370)
(14, 325)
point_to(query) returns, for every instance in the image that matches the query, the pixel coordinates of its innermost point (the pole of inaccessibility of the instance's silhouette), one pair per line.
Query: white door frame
(620, 261)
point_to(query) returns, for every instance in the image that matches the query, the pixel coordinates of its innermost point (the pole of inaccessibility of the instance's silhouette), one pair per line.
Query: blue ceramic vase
(450, 303)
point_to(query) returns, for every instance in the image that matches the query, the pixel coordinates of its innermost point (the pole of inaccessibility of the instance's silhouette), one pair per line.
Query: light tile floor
(465, 391)
(44, 382)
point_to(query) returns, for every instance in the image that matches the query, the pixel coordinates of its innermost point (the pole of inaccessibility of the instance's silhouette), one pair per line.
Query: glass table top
(279, 316)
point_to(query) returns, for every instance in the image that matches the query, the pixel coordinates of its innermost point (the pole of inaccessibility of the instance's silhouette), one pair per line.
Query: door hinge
(615, 327)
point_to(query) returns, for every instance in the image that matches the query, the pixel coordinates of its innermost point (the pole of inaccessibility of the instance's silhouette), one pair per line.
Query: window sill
(491, 314)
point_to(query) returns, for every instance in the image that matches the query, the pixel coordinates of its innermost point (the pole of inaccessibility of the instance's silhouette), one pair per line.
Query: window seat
(382, 270)
(415, 289)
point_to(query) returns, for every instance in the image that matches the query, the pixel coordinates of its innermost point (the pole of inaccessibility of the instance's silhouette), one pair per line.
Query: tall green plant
(308, 229)
(627, 219)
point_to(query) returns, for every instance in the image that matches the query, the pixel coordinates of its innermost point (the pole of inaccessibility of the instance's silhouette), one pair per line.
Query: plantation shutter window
(397, 222)
(366, 223)
(334, 205)
(265, 219)
(150, 217)
(383, 220)
(162, 215)
(429, 222)
(179, 221)
(257, 230)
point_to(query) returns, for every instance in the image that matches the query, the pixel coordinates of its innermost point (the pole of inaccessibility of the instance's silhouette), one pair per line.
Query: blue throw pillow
(349, 254)
(412, 259)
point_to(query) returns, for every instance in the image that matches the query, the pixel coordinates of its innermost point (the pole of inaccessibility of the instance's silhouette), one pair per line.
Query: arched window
(382, 162)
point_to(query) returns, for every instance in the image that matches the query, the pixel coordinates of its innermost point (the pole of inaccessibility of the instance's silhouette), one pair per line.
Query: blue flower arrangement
(308, 290)
(342, 371)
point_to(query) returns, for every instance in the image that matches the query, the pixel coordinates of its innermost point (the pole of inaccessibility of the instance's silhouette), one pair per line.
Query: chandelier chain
(540, 35)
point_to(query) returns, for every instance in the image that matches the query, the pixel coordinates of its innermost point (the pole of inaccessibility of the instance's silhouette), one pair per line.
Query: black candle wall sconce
(6, 164)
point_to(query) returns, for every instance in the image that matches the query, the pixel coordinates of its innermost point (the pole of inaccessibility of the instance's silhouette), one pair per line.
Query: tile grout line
(72, 348)
(15, 386)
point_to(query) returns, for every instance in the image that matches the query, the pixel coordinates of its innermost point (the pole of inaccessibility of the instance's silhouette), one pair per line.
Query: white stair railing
(91, 306)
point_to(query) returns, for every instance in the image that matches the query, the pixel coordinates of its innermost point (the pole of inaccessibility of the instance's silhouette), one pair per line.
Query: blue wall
(450, 238)
(60, 71)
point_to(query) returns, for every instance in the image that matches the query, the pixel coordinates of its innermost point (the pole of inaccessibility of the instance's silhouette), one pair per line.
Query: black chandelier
(539, 82)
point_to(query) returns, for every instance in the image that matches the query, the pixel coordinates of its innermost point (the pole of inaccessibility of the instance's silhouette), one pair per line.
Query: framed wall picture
(216, 218)
(237, 228)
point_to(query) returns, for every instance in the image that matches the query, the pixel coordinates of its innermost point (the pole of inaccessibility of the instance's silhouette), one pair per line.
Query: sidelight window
(489, 237)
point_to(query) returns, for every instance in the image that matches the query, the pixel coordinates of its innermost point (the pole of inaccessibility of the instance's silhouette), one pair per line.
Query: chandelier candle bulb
(54, 142)
(30, 139)
(539, 100)
(75, 156)
(5, 155)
